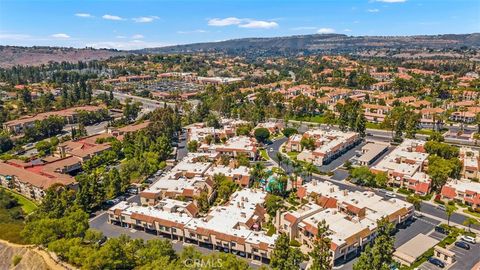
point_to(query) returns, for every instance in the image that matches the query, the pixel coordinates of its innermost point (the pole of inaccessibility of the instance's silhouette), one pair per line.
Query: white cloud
(224, 22)
(373, 10)
(259, 24)
(126, 45)
(326, 30)
(137, 36)
(242, 22)
(192, 32)
(347, 30)
(60, 35)
(145, 19)
(392, 1)
(121, 37)
(84, 15)
(112, 17)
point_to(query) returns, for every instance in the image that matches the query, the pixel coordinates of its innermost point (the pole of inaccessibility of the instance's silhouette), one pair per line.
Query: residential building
(70, 115)
(471, 163)
(464, 191)
(351, 217)
(329, 145)
(294, 143)
(234, 227)
(32, 180)
(405, 165)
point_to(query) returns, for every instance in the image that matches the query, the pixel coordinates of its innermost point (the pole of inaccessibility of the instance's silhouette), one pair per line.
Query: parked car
(462, 244)
(441, 207)
(436, 262)
(390, 194)
(133, 191)
(441, 230)
(468, 239)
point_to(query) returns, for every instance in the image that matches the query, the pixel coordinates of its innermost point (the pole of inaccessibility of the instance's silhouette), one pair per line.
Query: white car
(390, 194)
(468, 239)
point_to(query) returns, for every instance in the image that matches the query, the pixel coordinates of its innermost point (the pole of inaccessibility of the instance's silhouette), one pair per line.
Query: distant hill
(335, 43)
(34, 56)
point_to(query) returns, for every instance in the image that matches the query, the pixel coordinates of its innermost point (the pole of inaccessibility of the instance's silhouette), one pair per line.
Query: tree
(131, 110)
(469, 222)
(380, 255)
(364, 176)
(192, 146)
(287, 132)
(381, 179)
(273, 203)
(308, 143)
(5, 142)
(329, 118)
(261, 134)
(416, 201)
(320, 254)
(285, 257)
(436, 137)
(440, 169)
(449, 210)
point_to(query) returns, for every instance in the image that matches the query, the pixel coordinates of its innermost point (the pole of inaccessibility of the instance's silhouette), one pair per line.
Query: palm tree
(469, 222)
(416, 201)
(449, 210)
(279, 159)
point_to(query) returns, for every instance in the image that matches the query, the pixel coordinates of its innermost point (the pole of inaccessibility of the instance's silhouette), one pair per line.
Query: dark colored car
(462, 244)
(441, 230)
(436, 262)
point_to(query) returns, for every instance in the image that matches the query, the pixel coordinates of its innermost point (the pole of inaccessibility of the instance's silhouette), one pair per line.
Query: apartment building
(406, 166)
(465, 191)
(351, 217)
(471, 163)
(239, 175)
(70, 115)
(234, 147)
(233, 227)
(84, 148)
(187, 180)
(431, 116)
(375, 113)
(273, 127)
(32, 180)
(329, 145)
(294, 143)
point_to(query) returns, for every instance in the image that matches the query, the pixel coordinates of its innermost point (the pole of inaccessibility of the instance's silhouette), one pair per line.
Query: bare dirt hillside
(31, 258)
(34, 56)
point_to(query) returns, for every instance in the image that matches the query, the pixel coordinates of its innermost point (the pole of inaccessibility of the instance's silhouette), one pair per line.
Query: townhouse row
(234, 227)
(329, 145)
(351, 217)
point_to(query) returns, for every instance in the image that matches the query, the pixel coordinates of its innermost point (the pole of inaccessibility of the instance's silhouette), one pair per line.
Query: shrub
(451, 203)
(16, 260)
(294, 243)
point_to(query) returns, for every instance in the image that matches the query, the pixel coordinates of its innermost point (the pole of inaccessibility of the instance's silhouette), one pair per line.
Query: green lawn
(315, 119)
(292, 155)
(374, 125)
(472, 213)
(264, 155)
(28, 206)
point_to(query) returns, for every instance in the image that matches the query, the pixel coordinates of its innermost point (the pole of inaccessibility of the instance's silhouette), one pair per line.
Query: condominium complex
(351, 216)
(329, 145)
(193, 175)
(234, 227)
(70, 116)
(465, 191)
(471, 163)
(31, 180)
(405, 166)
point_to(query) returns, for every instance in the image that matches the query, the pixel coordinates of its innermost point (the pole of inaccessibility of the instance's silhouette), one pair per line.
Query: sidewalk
(451, 222)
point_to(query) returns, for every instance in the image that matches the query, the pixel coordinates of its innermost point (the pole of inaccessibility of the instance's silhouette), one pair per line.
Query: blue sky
(133, 24)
